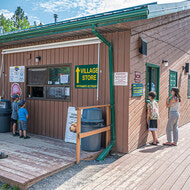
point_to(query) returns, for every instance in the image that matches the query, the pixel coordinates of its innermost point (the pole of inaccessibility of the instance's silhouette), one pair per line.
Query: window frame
(188, 83)
(148, 65)
(48, 85)
(171, 70)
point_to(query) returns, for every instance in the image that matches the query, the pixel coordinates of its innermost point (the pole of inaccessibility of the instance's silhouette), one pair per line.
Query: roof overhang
(86, 41)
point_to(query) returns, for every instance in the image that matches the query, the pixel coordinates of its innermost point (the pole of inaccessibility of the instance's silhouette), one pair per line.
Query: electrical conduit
(112, 99)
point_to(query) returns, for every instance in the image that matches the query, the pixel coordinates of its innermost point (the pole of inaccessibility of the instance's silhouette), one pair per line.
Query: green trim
(134, 14)
(112, 98)
(148, 65)
(170, 81)
(152, 65)
(188, 96)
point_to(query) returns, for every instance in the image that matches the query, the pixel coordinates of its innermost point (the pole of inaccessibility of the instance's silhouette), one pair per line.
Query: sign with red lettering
(120, 78)
(137, 76)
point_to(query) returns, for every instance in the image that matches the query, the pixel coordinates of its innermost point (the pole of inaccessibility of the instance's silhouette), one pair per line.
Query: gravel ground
(74, 176)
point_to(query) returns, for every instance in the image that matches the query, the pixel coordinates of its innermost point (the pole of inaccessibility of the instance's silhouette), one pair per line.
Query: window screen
(37, 76)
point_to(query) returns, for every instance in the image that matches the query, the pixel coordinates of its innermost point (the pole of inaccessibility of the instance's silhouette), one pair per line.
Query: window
(188, 90)
(152, 79)
(49, 82)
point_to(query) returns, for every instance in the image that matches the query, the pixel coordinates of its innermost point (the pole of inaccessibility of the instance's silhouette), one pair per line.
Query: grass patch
(8, 187)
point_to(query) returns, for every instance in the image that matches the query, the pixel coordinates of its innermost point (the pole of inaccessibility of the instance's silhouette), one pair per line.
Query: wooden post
(108, 122)
(78, 135)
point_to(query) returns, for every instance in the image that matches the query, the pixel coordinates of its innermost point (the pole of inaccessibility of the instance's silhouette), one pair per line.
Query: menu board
(16, 74)
(137, 89)
(71, 118)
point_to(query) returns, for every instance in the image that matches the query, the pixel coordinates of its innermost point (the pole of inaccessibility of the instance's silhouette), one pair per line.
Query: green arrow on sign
(77, 71)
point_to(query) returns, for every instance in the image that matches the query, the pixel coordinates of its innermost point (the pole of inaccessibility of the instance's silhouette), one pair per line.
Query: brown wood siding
(164, 42)
(48, 117)
(1, 75)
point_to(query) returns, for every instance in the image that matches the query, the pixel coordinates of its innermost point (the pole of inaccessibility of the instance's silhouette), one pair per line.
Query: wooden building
(160, 31)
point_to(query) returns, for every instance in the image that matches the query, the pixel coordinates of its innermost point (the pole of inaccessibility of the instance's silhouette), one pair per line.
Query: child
(23, 116)
(14, 115)
(152, 116)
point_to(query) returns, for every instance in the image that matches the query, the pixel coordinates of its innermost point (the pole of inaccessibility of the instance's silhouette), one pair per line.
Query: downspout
(112, 98)
(2, 71)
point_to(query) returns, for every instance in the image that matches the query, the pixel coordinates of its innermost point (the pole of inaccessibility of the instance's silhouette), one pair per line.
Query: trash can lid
(92, 120)
(92, 115)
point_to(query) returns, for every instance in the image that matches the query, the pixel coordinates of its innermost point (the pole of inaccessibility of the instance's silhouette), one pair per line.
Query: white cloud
(88, 7)
(6, 13)
(34, 18)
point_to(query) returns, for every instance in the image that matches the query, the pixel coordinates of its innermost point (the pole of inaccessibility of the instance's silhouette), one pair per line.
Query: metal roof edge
(78, 24)
(164, 9)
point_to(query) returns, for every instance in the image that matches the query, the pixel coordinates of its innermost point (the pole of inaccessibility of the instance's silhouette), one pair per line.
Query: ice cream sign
(86, 76)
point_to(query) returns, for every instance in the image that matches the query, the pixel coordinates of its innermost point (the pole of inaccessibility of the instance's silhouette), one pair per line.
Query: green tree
(20, 21)
(7, 24)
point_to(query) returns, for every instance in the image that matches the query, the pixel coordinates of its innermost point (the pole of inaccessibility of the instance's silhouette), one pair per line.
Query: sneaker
(27, 137)
(14, 134)
(21, 136)
(17, 134)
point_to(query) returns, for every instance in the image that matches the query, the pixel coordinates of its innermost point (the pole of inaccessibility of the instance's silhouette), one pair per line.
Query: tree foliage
(17, 21)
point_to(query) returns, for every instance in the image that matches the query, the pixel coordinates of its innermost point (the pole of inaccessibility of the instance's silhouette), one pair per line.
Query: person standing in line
(152, 116)
(173, 119)
(23, 116)
(14, 115)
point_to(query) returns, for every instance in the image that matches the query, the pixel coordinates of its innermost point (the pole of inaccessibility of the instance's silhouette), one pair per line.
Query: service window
(152, 79)
(188, 90)
(49, 82)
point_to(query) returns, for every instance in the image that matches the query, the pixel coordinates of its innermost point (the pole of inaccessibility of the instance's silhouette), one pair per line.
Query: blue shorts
(22, 125)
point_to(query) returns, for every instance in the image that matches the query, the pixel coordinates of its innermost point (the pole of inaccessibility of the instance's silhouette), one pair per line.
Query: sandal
(167, 144)
(3, 155)
(174, 144)
(152, 143)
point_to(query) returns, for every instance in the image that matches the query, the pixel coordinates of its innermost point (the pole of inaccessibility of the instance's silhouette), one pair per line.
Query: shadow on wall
(180, 80)
(143, 133)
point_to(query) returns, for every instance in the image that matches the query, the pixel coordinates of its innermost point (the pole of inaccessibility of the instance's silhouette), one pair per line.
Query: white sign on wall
(16, 74)
(71, 118)
(120, 78)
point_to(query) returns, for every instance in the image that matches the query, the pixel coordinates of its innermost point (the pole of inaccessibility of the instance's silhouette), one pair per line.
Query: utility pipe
(98, 71)
(2, 71)
(112, 98)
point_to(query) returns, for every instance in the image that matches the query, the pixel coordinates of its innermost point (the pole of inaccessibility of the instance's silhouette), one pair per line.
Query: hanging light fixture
(165, 63)
(38, 59)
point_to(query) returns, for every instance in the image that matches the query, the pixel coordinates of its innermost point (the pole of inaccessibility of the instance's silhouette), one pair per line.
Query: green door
(173, 80)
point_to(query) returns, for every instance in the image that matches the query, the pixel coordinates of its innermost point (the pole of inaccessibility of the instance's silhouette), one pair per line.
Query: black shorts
(153, 126)
(14, 121)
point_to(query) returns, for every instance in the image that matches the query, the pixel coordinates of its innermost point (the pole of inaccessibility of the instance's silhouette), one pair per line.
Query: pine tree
(20, 21)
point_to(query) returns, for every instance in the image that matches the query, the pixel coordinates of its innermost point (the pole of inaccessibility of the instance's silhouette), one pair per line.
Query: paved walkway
(149, 168)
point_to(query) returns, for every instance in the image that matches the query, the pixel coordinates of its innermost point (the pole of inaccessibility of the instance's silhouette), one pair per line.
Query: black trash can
(91, 120)
(5, 115)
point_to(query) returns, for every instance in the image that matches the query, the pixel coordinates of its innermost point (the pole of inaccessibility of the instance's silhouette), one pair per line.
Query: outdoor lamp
(186, 67)
(38, 59)
(165, 63)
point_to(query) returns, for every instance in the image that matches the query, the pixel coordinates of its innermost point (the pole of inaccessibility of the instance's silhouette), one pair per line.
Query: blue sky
(43, 10)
